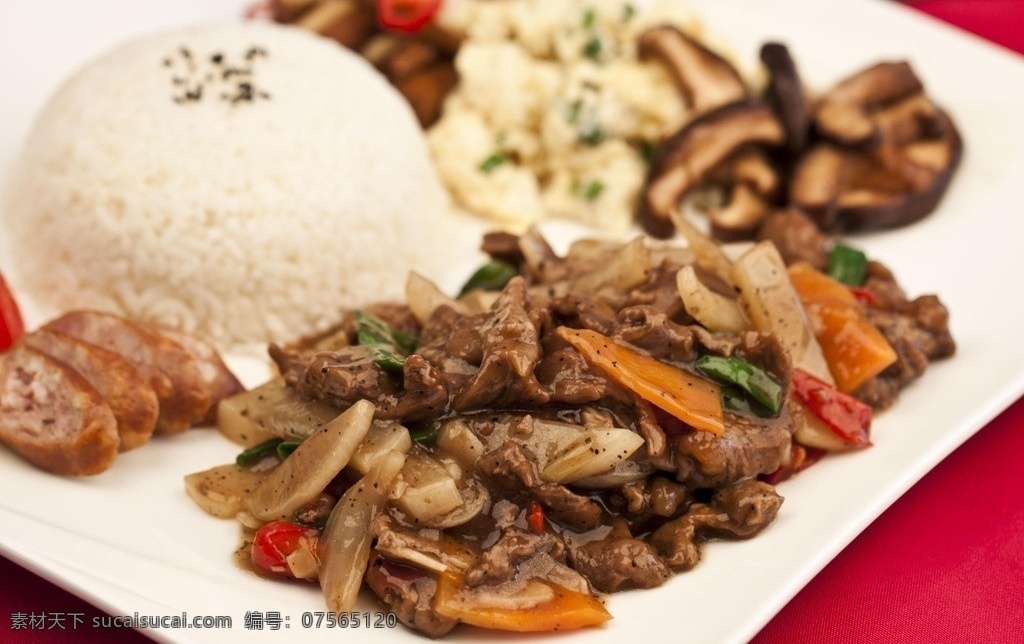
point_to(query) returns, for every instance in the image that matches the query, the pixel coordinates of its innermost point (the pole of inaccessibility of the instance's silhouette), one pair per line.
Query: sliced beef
(916, 345)
(452, 341)
(339, 377)
(582, 312)
(749, 447)
(737, 511)
(567, 376)
(508, 467)
(350, 374)
(513, 471)
(465, 363)
(917, 329)
(52, 416)
(797, 238)
(500, 561)
(660, 291)
(511, 348)
(655, 440)
(650, 498)
(567, 507)
(653, 331)
(503, 246)
(620, 563)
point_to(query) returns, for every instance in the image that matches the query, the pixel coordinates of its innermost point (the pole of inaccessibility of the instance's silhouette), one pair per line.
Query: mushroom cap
(688, 157)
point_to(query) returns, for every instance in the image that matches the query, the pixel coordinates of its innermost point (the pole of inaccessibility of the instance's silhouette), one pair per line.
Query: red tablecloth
(944, 564)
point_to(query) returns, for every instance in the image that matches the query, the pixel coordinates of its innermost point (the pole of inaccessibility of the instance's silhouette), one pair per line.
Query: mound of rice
(239, 181)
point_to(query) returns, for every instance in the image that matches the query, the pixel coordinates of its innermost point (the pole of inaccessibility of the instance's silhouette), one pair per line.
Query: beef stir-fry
(568, 426)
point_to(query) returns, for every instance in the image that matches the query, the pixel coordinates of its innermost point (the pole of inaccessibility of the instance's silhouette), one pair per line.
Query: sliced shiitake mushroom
(688, 157)
(895, 185)
(752, 167)
(706, 79)
(741, 216)
(786, 93)
(751, 183)
(844, 113)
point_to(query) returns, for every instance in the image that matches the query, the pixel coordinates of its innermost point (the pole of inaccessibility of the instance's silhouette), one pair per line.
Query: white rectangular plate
(131, 541)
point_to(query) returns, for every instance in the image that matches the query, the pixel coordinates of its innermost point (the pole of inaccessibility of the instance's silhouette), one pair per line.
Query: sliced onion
(271, 410)
(424, 297)
(313, 464)
(457, 440)
(345, 542)
(383, 437)
(712, 310)
(707, 251)
(510, 595)
(219, 491)
(607, 278)
(626, 472)
(303, 563)
(598, 451)
(426, 489)
(773, 305)
(475, 499)
(623, 270)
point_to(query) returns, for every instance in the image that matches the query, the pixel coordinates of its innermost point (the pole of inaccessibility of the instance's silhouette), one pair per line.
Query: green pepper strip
(425, 433)
(492, 276)
(285, 449)
(257, 452)
(753, 380)
(847, 265)
(389, 348)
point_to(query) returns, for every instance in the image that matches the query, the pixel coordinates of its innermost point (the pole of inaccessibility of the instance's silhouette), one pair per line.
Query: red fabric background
(1001, 21)
(944, 564)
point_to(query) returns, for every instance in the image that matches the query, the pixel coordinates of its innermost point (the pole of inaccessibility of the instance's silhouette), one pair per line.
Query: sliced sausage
(52, 416)
(172, 371)
(130, 396)
(217, 376)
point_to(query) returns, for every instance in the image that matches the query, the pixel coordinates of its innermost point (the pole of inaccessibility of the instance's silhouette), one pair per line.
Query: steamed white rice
(246, 213)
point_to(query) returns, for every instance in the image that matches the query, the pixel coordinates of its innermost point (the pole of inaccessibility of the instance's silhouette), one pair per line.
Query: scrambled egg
(554, 113)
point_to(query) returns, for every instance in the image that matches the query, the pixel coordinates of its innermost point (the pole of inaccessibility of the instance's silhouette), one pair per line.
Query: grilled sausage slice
(172, 371)
(220, 380)
(52, 416)
(127, 392)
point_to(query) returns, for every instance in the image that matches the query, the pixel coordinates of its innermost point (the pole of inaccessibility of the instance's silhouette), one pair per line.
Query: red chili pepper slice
(276, 540)
(406, 15)
(865, 295)
(11, 325)
(848, 417)
(535, 517)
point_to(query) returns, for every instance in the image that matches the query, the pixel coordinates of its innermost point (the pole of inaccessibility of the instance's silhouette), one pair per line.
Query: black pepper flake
(215, 76)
